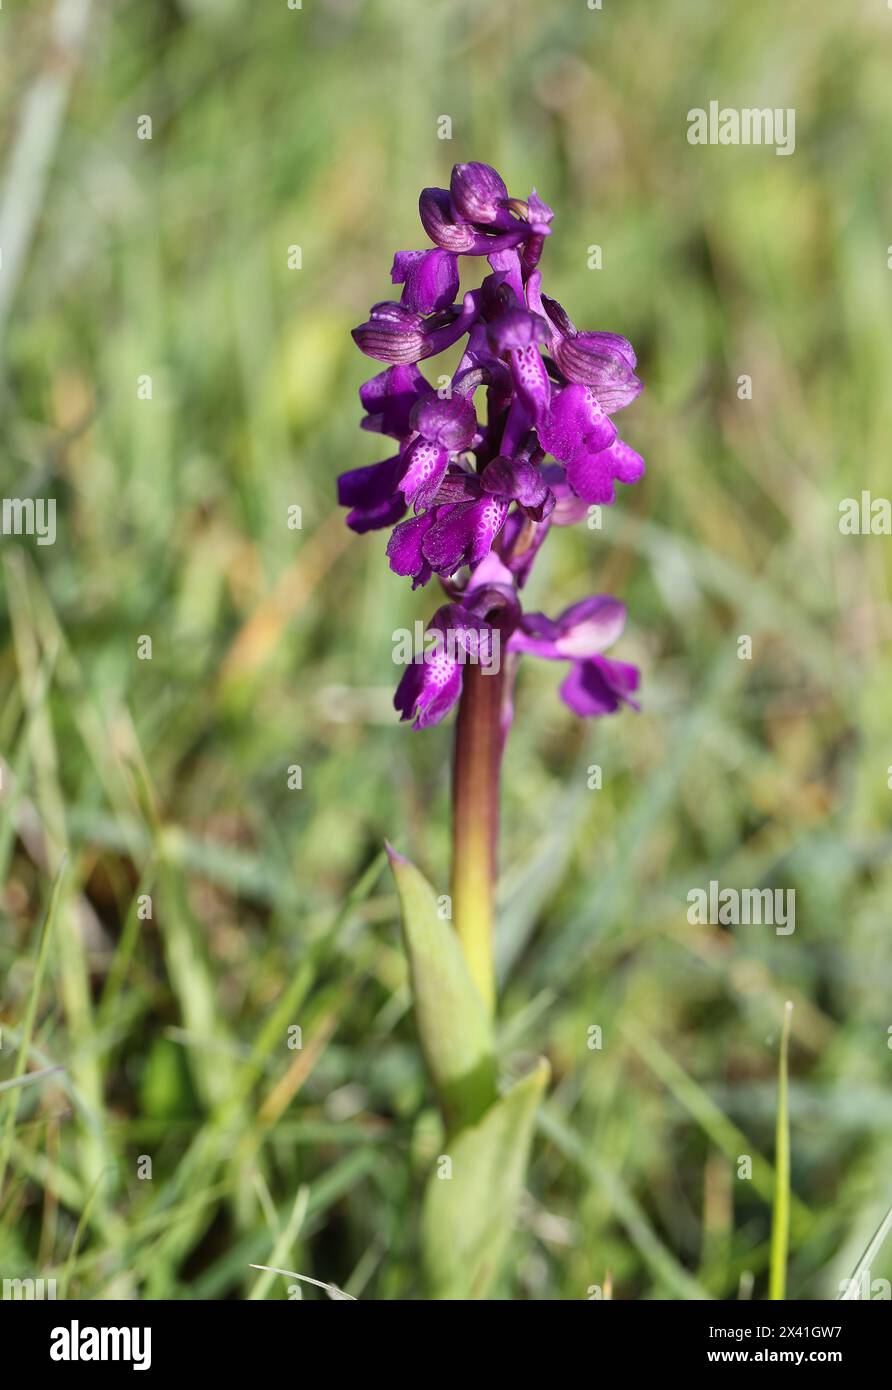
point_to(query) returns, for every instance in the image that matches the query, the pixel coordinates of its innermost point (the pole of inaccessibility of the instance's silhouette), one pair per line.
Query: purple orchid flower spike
(475, 487)
(517, 441)
(521, 440)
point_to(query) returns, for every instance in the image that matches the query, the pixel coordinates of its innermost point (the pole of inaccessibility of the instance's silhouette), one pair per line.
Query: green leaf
(468, 1215)
(453, 1028)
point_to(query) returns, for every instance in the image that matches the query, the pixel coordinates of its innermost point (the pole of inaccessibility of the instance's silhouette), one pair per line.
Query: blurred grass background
(271, 647)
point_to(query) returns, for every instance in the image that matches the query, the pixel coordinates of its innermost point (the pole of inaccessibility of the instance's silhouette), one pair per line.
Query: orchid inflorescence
(472, 501)
(483, 496)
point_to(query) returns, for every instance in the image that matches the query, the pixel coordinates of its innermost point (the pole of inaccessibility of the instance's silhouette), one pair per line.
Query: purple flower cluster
(482, 495)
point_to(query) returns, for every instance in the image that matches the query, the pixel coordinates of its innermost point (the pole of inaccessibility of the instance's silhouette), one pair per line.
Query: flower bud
(392, 334)
(478, 192)
(604, 361)
(438, 221)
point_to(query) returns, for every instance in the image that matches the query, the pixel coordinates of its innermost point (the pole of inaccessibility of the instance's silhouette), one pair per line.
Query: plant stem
(475, 821)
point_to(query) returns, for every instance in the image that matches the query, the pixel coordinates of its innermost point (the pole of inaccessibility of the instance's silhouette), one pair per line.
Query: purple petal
(568, 508)
(505, 260)
(430, 687)
(517, 480)
(402, 264)
(497, 293)
(463, 534)
(451, 423)
(516, 328)
(575, 423)
(490, 572)
(540, 214)
(559, 317)
(389, 397)
(491, 595)
(531, 380)
(582, 630)
(478, 193)
(438, 221)
(373, 495)
(430, 278)
(611, 346)
(599, 686)
(439, 339)
(537, 635)
(590, 626)
(627, 465)
(392, 334)
(458, 486)
(603, 361)
(426, 463)
(591, 476)
(404, 547)
(539, 511)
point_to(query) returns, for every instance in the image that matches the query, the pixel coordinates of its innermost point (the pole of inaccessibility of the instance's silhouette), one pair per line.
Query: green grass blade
(715, 1123)
(852, 1290)
(284, 1242)
(780, 1225)
(29, 1079)
(628, 1212)
(30, 1017)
